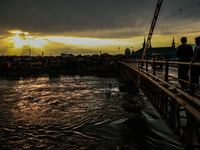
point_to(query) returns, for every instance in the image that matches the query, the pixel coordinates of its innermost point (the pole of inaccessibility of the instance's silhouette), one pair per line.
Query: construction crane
(153, 24)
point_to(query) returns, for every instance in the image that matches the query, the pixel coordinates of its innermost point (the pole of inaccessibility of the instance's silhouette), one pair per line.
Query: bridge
(180, 109)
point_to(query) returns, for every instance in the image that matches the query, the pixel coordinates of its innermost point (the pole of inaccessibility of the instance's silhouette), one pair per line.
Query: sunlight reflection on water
(73, 112)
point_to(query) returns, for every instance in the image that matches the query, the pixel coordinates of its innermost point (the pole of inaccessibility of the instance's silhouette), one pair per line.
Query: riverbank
(100, 71)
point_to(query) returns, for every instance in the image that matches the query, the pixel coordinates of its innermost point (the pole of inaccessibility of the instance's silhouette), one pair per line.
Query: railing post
(191, 79)
(138, 64)
(142, 64)
(163, 104)
(173, 112)
(154, 67)
(166, 71)
(190, 135)
(146, 66)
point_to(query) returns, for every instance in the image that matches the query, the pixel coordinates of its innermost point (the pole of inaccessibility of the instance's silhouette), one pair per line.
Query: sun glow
(20, 39)
(87, 42)
(16, 32)
(19, 42)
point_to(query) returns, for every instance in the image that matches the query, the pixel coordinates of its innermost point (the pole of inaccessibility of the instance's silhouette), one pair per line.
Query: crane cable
(153, 24)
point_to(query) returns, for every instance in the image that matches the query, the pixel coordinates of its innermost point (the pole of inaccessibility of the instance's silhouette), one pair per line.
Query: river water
(73, 112)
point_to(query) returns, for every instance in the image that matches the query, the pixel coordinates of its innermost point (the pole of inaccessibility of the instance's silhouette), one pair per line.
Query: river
(73, 112)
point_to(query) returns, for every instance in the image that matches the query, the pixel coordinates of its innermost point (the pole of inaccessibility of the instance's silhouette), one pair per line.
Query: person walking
(184, 53)
(195, 59)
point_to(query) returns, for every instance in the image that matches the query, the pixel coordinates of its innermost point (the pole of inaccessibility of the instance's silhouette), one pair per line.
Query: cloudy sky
(88, 26)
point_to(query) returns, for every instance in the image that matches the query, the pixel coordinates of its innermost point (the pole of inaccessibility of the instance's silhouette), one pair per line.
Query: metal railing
(154, 64)
(179, 108)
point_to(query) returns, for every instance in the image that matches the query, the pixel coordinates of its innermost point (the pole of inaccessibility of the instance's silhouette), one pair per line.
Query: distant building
(163, 52)
(66, 55)
(133, 52)
(173, 43)
(63, 54)
(127, 52)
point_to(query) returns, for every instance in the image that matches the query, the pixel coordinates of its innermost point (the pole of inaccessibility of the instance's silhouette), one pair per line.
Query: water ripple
(73, 112)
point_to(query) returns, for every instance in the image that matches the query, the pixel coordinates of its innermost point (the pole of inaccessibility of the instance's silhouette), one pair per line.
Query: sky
(90, 26)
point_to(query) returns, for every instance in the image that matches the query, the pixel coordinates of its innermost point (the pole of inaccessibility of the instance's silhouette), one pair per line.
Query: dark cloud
(96, 18)
(54, 17)
(178, 17)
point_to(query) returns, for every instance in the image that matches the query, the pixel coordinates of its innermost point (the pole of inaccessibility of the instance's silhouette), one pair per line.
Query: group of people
(185, 53)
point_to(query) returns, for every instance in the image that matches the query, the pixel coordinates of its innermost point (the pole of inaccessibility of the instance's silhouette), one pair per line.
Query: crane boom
(153, 24)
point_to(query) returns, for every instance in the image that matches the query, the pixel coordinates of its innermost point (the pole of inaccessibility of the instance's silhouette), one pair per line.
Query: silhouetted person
(184, 53)
(196, 58)
(108, 94)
